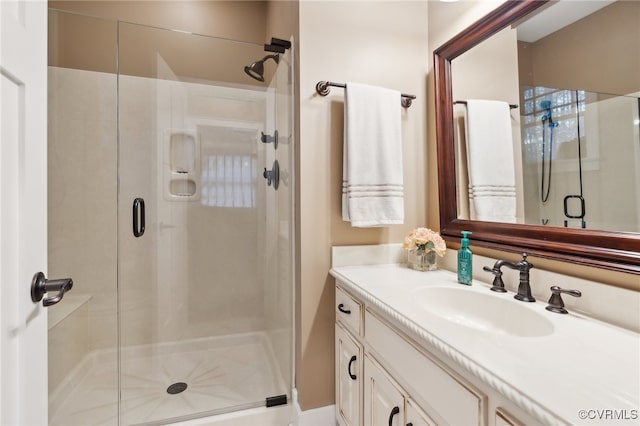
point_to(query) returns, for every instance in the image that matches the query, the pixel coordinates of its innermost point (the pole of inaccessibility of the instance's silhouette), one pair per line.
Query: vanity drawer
(348, 311)
(454, 401)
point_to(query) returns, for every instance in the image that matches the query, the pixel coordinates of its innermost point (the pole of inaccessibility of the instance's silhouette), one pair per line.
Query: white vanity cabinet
(349, 359)
(414, 415)
(366, 394)
(383, 377)
(348, 378)
(385, 403)
(450, 354)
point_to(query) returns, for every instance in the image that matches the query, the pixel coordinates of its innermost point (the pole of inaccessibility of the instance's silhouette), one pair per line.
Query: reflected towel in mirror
(490, 162)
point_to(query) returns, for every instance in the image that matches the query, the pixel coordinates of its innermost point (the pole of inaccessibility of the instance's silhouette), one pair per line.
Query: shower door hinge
(272, 401)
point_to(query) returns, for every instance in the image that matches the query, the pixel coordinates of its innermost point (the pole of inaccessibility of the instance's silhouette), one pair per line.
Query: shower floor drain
(177, 388)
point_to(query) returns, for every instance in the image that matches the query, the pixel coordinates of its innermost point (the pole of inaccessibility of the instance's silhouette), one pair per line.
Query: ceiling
(556, 16)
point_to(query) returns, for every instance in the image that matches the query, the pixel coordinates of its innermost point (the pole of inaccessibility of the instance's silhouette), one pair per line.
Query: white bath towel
(372, 187)
(492, 181)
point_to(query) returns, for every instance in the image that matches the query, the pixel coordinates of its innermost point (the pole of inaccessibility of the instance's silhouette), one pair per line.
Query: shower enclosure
(581, 158)
(180, 249)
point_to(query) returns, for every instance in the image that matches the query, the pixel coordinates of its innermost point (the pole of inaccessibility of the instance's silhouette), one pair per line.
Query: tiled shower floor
(219, 372)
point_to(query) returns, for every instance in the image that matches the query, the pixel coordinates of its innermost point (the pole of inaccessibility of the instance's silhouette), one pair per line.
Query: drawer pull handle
(343, 310)
(351, 361)
(395, 411)
(409, 424)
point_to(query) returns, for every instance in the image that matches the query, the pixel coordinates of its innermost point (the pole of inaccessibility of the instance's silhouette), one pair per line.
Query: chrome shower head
(256, 69)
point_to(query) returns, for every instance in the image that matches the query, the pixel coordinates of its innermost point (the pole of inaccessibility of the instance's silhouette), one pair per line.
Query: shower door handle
(40, 285)
(138, 217)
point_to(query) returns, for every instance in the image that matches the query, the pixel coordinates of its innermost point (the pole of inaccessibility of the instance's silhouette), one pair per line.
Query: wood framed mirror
(612, 250)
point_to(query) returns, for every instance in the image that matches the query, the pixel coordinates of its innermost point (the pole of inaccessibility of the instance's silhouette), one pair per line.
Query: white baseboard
(323, 416)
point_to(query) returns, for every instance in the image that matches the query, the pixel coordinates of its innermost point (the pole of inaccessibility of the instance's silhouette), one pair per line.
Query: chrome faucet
(524, 288)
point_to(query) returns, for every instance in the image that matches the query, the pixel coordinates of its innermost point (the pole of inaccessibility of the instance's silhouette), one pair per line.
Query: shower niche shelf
(181, 165)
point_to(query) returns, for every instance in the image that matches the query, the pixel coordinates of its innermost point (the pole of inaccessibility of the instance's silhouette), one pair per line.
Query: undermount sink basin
(498, 314)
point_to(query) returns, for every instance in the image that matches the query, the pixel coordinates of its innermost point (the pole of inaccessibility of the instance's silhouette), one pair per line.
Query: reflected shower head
(546, 105)
(256, 69)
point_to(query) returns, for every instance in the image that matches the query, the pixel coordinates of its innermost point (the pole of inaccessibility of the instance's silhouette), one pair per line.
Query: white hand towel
(372, 187)
(492, 179)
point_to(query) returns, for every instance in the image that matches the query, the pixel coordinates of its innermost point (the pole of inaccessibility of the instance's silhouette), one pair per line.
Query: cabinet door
(415, 416)
(503, 418)
(383, 401)
(348, 378)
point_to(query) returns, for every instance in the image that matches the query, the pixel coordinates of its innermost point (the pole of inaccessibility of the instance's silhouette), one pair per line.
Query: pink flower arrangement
(424, 239)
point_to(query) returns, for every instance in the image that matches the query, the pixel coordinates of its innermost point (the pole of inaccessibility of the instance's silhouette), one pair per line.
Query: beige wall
(598, 53)
(458, 16)
(237, 20)
(90, 44)
(379, 43)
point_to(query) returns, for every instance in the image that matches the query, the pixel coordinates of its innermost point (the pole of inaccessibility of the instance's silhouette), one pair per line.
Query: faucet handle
(498, 284)
(527, 265)
(555, 301)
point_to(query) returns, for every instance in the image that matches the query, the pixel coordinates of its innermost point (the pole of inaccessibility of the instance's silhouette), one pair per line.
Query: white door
(23, 210)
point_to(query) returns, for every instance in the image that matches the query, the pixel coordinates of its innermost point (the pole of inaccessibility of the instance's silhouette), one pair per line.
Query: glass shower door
(82, 224)
(193, 246)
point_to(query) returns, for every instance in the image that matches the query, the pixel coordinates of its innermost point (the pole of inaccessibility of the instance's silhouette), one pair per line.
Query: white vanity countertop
(583, 364)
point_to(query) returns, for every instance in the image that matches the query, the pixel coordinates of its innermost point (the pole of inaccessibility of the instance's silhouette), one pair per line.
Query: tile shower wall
(205, 265)
(204, 281)
(82, 213)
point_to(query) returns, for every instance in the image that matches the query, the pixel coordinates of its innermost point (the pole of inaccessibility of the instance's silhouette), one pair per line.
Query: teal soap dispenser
(465, 260)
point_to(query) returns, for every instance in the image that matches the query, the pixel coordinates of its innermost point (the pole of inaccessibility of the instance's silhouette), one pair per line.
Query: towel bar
(322, 88)
(511, 106)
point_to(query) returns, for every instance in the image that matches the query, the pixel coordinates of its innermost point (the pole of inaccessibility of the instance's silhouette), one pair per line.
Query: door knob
(41, 285)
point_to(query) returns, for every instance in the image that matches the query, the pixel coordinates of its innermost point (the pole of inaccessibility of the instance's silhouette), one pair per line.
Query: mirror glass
(567, 151)
(486, 62)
